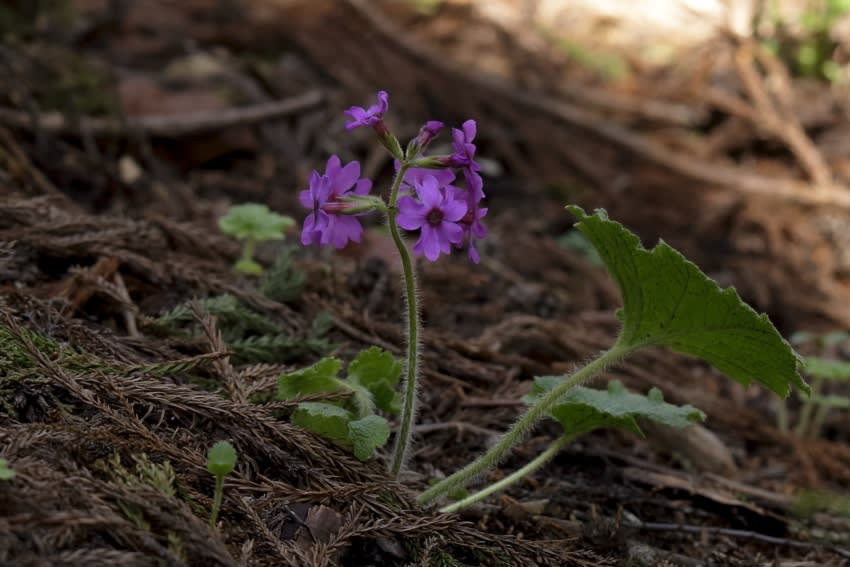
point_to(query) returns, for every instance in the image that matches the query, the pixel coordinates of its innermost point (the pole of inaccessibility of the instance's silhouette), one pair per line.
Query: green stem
(219, 490)
(408, 410)
(782, 415)
(538, 462)
(525, 423)
(248, 249)
(818, 420)
(808, 407)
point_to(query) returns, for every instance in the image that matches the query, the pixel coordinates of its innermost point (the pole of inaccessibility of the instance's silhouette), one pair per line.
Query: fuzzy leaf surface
(584, 409)
(327, 420)
(320, 377)
(254, 221)
(367, 434)
(221, 458)
(378, 372)
(668, 301)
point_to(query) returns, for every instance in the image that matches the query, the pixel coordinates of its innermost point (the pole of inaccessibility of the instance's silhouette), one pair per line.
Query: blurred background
(720, 126)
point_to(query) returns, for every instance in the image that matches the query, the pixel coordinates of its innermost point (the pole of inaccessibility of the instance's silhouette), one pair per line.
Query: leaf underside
(584, 409)
(668, 301)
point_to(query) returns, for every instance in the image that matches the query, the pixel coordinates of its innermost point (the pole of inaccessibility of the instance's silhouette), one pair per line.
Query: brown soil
(119, 149)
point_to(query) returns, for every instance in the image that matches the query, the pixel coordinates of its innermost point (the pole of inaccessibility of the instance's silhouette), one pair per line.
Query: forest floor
(128, 344)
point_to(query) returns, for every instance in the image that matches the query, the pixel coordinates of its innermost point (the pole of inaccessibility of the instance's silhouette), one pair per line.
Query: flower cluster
(445, 214)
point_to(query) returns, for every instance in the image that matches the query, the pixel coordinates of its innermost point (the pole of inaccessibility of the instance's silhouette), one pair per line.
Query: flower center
(434, 217)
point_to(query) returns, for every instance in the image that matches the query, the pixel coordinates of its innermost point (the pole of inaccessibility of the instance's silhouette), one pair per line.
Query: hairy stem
(523, 425)
(408, 410)
(219, 490)
(532, 466)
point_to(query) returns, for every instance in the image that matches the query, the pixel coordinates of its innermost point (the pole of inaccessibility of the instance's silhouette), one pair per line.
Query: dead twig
(772, 114)
(235, 387)
(741, 534)
(168, 126)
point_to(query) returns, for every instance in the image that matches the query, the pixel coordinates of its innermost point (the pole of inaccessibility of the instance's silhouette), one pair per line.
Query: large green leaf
(668, 301)
(583, 409)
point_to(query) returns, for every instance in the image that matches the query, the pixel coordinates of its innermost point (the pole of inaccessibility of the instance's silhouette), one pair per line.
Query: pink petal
(345, 178)
(451, 232)
(362, 187)
(345, 229)
(473, 254)
(429, 192)
(429, 243)
(305, 198)
(453, 209)
(469, 130)
(383, 102)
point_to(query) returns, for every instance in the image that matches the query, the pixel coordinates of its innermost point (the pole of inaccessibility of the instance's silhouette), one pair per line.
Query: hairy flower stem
(532, 466)
(523, 425)
(408, 410)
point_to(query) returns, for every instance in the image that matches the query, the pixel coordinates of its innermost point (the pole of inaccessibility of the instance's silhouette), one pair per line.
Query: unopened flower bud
(437, 162)
(354, 205)
(428, 132)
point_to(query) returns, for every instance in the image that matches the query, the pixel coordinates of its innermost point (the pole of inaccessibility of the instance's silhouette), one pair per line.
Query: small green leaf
(827, 369)
(584, 409)
(320, 377)
(668, 301)
(221, 458)
(255, 221)
(367, 434)
(378, 371)
(249, 267)
(832, 401)
(5, 472)
(327, 420)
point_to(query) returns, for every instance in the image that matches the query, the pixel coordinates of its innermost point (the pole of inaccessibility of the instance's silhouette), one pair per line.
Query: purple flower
(463, 157)
(416, 175)
(463, 150)
(474, 228)
(326, 224)
(474, 187)
(368, 117)
(427, 133)
(436, 214)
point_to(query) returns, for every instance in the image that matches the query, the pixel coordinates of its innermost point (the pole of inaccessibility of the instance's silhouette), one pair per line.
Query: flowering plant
(667, 301)
(424, 197)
